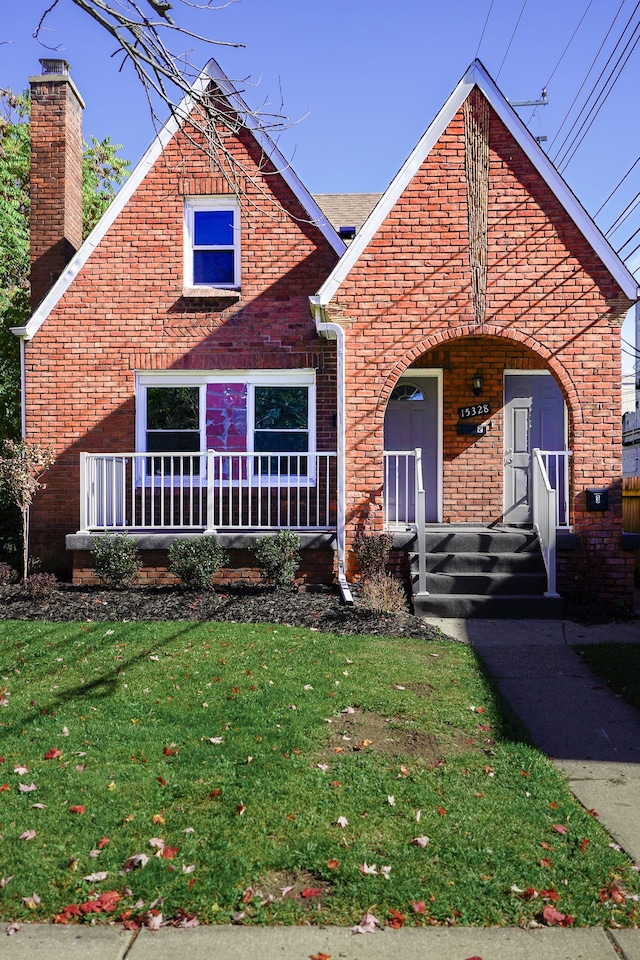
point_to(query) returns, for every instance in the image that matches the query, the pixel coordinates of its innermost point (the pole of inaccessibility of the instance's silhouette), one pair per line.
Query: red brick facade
(407, 303)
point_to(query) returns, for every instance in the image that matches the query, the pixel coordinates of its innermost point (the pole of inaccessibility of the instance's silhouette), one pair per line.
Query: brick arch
(441, 337)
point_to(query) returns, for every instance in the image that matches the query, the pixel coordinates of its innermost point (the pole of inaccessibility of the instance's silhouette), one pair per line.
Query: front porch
(241, 496)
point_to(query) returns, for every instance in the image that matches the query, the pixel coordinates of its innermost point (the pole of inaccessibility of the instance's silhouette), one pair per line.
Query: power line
(511, 40)
(626, 213)
(484, 28)
(586, 127)
(616, 188)
(593, 63)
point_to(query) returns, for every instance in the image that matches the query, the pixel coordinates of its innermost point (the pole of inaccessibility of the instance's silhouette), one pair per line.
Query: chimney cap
(54, 66)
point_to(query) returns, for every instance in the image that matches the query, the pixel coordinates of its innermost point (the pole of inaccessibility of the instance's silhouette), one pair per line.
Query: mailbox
(597, 498)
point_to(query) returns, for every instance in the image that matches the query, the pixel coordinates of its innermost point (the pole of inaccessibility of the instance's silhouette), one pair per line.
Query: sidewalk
(593, 737)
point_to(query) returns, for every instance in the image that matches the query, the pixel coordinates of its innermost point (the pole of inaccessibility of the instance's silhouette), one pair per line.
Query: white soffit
(476, 75)
(212, 71)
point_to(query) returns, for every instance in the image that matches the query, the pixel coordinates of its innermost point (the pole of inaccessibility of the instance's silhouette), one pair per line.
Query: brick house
(227, 354)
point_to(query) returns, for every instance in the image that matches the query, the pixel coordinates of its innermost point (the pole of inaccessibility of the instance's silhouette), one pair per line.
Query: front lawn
(267, 774)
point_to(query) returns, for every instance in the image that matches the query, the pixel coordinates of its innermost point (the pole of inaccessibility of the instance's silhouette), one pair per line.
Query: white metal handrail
(208, 490)
(556, 464)
(421, 523)
(545, 511)
(399, 503)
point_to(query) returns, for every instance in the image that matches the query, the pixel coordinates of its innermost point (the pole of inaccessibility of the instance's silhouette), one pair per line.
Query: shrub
(278, 557)
(40, 586)
(382, 593)
(116, 559)
(7, 574)
(372, 552)
(195, 561)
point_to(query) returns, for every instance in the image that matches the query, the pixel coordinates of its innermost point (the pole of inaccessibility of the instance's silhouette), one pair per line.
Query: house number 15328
(477, 410)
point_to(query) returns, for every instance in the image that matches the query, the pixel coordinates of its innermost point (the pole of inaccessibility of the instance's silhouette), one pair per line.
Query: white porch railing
(556, 464)
(399, 496)
(207, 491)
(545, 512)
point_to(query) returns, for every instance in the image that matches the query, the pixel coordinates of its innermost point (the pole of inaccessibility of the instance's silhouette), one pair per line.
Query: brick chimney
(56, 175)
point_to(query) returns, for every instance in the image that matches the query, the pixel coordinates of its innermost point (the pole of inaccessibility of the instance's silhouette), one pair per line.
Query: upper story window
(212, 243)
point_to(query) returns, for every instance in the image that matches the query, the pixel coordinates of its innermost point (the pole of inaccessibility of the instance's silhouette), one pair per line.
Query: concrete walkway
(593, 737)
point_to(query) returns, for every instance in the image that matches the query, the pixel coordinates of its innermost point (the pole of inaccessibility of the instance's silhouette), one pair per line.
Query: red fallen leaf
(161, 781)
(169, 751)
(396, 919)
(191, 883)
(441, 811)
(333, 864)
(1, 759)
(546, 846)
(419, 906)
(524, 773)
(168, 853)
(78, 808)
(617, 895)
(593, 813)
(240, 809)
(552, 916)
(559, 828)
(483, 726)
(335, 783)
(102, 843)
(4, 786)
(545, 862)
(585, 843)
(553, 805)
(53, 754)
(247, 896)
(60, 918)
(215, 793)
(320, 956)
(603, 894)
(309, 892)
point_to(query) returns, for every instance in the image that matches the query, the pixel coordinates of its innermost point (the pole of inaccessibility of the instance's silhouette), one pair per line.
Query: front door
(534, 416)
(411, 420)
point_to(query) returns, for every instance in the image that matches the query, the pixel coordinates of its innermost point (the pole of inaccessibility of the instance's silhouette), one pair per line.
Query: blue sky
(363, 79)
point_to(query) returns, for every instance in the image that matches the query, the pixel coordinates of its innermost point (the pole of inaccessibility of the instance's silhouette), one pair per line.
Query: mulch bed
(320, 609)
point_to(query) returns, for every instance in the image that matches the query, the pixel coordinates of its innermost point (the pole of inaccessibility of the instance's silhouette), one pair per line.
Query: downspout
(23, 388)
(333, 331)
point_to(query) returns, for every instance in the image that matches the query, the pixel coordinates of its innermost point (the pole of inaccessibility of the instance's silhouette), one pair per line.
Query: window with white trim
(266, 413)
(212, 243)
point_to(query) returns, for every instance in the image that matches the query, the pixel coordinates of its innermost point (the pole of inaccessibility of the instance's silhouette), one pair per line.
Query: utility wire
(626, 213)
(616, 188)
(593, 63)
(484, 28)
(566, 160)
(511, 40)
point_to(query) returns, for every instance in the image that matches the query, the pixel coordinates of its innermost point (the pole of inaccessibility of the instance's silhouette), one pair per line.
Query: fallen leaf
(546, 846)
(441, 811)
(158, 818)
(53, 754)
(396, 919)
(420, 841)
(96, 877)
(319, 956)
(78, 808)
(333, 864)
(31, 902)
(545, 862)
(27, 835)
(4, 786)
(240, 809)
(419, 906)
(157, 842)
(367, 924)
(342, 822)
(5, 880)
(102, 843)
(559, 828)
(20, 770)
(188, 868)
(153, 920)
(309, 892)
(368, 869)
(168, 853)
(385, 871)
(38, 806)
(25, 787)
(137, 860)
(11, 929)
(391, 801)
(585, 843)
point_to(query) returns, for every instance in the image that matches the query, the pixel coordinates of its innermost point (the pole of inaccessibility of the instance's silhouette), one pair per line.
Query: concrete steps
(485, 572)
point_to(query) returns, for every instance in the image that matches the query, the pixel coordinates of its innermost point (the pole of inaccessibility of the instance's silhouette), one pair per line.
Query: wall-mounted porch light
(478, 383)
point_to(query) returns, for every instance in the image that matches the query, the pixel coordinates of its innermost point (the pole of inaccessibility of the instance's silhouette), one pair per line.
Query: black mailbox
(597, 498)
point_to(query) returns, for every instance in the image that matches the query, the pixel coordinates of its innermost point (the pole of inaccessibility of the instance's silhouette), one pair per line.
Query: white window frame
(193, 205)
(252, 379)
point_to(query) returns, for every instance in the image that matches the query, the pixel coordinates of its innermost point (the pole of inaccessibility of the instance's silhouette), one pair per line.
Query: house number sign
(477, 410)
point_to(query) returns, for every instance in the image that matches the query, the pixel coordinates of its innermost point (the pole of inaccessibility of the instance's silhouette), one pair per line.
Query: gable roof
(346, 209)
(211, 72)
(477, 76)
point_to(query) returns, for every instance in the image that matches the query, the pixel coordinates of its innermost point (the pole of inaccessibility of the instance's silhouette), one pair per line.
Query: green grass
(133, 708)
(618, 664)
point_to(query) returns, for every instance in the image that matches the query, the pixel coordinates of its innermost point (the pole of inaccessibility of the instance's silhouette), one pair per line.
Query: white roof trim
(476, 75)
(212, 71)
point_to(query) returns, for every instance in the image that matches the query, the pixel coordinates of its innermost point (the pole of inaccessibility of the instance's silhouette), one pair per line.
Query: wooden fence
(631, 510)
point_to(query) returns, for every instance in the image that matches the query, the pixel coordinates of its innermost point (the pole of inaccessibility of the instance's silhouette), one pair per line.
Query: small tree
(21, 467)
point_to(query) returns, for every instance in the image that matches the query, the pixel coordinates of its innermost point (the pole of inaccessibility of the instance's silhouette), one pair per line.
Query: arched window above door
(407, 391)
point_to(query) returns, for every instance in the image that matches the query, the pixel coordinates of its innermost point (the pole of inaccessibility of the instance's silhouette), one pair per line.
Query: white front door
(534, 416)
(412, 420)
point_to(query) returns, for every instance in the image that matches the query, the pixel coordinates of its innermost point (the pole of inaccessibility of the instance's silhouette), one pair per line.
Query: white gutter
(333, 331)
(23, 389)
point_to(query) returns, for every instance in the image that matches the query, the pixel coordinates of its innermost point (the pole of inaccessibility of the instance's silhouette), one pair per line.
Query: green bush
(372, 552)
(116, 559)
(195, 561)
(278, 557)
